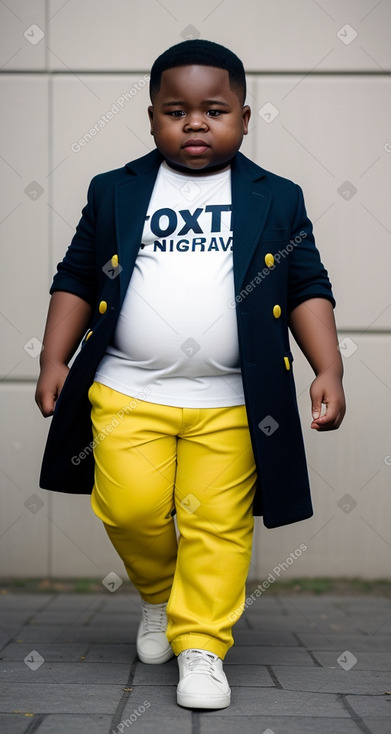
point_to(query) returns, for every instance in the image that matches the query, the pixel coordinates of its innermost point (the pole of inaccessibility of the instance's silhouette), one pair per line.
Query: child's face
(197, 121)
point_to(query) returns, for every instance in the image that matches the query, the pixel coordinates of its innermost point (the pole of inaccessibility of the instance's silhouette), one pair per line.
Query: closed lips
(196, 144)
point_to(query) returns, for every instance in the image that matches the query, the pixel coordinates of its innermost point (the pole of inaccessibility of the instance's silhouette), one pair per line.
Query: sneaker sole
(192, 701)
(157, 659)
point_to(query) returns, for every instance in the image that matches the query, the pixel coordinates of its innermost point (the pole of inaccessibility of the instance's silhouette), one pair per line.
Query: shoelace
(155, 619)
(201, 662)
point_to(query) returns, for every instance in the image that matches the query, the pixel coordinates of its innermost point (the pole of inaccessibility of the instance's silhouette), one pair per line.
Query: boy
(187, 268)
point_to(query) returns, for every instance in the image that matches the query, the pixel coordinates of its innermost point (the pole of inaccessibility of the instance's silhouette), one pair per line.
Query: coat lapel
(250, 203)
(131, 202)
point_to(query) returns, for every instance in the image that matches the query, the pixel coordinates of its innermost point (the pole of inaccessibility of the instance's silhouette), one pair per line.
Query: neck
(202, 172)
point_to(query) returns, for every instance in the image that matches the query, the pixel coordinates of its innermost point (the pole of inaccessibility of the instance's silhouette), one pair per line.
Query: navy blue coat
(276, 266)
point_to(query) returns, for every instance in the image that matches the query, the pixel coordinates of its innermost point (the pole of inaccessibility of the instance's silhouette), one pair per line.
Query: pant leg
(135, 464)
(214, 491)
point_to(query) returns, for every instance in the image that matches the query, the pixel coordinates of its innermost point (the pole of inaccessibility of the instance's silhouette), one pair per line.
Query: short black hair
(199, 52)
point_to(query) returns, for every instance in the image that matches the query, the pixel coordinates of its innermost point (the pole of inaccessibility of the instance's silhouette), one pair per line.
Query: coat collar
(251, 201)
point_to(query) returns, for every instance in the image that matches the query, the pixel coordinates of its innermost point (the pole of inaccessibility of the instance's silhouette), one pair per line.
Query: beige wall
(331, 89)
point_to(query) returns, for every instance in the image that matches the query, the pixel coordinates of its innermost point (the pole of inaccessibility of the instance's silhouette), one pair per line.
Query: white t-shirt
(176, 334)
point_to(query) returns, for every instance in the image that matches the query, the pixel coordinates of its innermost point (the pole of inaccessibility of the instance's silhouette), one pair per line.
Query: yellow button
(88, 335)
(114, 261)
(269, 260)
(287, 363)
(277, 311)
(102, 307)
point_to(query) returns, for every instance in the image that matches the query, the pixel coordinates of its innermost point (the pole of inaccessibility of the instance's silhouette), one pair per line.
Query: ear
(246, 114)
(150, 115)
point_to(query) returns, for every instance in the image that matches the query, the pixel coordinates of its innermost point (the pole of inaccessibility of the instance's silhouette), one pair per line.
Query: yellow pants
(151, 459)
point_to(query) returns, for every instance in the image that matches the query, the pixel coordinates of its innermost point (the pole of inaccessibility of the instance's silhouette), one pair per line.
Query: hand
(49, 386)
(327, 388)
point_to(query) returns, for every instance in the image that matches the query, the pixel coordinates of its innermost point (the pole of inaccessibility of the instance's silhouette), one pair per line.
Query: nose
(195, 121)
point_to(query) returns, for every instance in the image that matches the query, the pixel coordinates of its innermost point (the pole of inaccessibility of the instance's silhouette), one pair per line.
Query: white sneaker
(152, 644)
(202, 681)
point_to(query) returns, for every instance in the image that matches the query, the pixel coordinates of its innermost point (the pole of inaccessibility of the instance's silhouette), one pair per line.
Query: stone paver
(326, 680)
(74, 724)
(300, 664)
(357, 642)
(365, 660)
(371, 706)
(278, 725)
(59, 697)
(111, 653)
(55, 652)
(14, 723)
(64, 673)
(378, 726)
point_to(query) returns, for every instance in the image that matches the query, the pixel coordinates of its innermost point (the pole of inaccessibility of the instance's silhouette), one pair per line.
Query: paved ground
(300, 664)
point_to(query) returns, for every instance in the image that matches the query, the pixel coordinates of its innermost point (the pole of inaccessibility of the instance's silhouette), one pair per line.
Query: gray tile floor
(300, 664)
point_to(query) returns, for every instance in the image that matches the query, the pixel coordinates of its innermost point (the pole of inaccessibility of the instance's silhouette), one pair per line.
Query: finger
(321, 415)
(46, 405)
(316, 408)
(47, 410)
(316, 394)
(331, 420)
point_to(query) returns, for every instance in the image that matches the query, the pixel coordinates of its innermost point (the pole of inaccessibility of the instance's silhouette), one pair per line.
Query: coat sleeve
(307, 276)
(76, 273)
